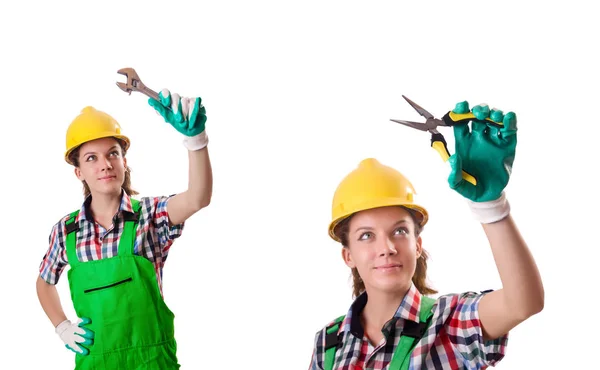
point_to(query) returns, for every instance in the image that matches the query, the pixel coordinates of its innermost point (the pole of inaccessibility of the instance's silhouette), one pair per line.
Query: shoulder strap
(127, 239)
(409, 337)
(426, 306)
(71, 229)
(411, 334)
(331, 342)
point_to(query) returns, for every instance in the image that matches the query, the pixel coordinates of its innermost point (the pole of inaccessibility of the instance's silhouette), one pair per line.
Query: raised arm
(487, 150)
(188, 116)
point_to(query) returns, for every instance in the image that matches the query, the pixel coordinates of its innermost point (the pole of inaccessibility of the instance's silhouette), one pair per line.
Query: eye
(401, 231)
(91, 157)
(365, 236)
(115, 153)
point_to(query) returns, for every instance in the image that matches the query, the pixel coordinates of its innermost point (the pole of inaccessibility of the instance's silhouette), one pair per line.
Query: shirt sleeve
(55, 259)
(165, 232)
(465, 332)
(316, 362)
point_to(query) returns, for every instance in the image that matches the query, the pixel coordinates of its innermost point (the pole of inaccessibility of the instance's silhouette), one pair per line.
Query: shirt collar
(409, 309)
(85, 213)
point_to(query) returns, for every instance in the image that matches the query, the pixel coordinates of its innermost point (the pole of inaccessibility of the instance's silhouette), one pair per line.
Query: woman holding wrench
(116, 246)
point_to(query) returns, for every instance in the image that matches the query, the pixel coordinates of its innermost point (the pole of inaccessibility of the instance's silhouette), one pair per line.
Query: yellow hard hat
(372, 185)
(92, 124)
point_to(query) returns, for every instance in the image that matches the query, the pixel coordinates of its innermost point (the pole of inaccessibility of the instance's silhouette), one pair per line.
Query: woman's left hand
(485, 150)
(186, 115)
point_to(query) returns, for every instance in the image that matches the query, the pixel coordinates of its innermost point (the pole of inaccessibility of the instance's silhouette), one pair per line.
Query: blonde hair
(419, 278)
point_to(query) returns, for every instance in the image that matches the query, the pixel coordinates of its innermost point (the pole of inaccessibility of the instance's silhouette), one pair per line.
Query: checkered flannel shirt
(154, 237)
(454, 340)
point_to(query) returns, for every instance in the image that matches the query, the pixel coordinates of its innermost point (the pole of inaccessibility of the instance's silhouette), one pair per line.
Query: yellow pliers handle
(453, 119)
(439, 144)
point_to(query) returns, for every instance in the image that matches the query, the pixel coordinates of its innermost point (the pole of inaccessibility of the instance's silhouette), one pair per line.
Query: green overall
(411, 334)
(134, 328)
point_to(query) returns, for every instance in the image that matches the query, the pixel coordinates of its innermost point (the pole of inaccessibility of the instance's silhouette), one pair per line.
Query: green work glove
(186, 115)
(484, 150)
(75, 335)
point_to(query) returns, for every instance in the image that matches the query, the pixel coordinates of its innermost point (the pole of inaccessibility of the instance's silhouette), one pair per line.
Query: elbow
(533, 306)
(200, 203)
(537, 300)
(198, 198)
(205, 202)
(538, 304)
(534, 309)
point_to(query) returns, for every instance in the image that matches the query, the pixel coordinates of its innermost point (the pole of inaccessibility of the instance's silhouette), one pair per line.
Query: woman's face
(102, 166)
(383, 247)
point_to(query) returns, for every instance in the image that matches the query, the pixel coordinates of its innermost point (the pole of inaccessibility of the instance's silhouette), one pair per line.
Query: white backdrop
(297, 93)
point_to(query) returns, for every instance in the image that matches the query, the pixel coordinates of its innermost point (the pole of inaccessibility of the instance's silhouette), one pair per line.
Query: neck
(380, 308)
(105, 205)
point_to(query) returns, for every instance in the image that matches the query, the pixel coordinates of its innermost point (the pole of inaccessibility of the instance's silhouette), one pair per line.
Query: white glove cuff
(60, 328)
(492, 211)
(196, 142)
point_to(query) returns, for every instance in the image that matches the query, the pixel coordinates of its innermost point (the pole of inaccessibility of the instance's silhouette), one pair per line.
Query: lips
(107, 177)
(388, 266)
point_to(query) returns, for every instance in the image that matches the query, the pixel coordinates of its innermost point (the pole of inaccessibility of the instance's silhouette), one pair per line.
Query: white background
(297, 93)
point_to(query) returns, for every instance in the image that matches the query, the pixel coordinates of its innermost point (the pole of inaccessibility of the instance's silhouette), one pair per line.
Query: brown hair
(419, 278)
(74, 158)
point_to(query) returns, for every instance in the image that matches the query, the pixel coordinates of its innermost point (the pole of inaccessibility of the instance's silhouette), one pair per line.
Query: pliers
(437, 139)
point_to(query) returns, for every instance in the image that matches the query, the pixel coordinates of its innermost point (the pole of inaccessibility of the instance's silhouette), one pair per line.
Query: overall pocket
(129, 279)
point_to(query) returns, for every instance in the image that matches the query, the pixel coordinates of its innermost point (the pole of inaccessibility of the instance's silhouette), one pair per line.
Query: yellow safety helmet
(372, 185)
(92, 124)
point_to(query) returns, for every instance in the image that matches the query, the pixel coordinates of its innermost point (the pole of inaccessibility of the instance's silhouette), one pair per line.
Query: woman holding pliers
(392, 323)
(116, 246)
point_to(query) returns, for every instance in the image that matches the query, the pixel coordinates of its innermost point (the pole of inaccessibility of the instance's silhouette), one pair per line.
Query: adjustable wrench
(135, 84)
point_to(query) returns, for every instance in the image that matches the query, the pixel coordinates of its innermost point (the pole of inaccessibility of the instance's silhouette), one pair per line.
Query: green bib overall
(411, 334)
(134, 328)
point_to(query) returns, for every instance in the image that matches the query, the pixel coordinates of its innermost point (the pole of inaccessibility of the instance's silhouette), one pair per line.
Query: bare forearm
(200, 178)
(521, 282)
(199, 191)
(50, 301)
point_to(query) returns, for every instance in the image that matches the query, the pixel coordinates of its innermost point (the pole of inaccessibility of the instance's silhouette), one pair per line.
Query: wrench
(135, 84)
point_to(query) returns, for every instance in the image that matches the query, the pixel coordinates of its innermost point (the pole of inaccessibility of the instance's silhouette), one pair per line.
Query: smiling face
(102, 166)
(384, 248)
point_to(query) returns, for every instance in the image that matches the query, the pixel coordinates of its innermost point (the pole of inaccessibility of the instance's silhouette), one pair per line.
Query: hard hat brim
(380, 203)
(97, 136)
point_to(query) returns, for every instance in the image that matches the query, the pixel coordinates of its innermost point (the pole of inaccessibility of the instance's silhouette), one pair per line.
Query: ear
(125, 162)
(347, 256)
(78, 173)
(419, 247)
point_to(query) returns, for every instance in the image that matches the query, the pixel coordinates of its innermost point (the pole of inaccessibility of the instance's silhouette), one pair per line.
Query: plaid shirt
(454, 340)
(153, 239)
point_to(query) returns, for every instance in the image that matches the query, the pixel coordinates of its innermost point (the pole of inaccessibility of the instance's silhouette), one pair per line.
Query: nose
(107, 165)
(387, 248)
